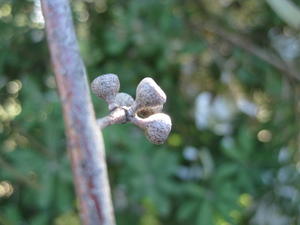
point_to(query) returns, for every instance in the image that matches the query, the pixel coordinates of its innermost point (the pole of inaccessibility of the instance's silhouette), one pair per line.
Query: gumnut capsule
(149, 94)
(124, 99)
(106, 87)
(157, 127)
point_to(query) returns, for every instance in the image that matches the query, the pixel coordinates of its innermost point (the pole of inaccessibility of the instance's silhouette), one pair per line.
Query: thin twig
(36, 144)
(246, 44)
(17, 175)
(117, 116)
(85, 143)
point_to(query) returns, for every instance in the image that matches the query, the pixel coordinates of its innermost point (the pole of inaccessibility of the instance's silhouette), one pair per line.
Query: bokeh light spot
(235, 214)
(245, 200)
(175, 140)
(9, 145)
(264, 135)
(14, 87)
(6, 189)
(5, 10)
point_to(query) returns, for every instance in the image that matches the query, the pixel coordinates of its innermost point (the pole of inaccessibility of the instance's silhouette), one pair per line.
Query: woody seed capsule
(149, 94)
(124, 99)
(157, 127)
(106, 87)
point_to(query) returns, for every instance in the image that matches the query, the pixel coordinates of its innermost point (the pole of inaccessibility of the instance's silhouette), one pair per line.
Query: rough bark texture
(85, 143)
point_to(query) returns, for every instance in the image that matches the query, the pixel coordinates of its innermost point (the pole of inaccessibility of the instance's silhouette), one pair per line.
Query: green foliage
(204, 175)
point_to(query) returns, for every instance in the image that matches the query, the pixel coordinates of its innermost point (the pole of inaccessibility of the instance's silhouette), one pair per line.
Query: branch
(85, 143)
(17, 175)
(117, 116)
(246, 44)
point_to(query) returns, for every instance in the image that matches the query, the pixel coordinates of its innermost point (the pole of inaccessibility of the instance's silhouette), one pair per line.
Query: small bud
(146, 112)
(106, 87)
(123, 99)
(157, 127)
(149, 94)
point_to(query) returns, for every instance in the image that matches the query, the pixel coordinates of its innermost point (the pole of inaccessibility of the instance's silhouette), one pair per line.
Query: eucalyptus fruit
(148, 95)
(157, 127)
(124, 99)
(106, 87)
(144, 111)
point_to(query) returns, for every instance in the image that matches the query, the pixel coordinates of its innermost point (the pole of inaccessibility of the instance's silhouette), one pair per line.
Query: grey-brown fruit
(157, 127)
(123, 99)
(149, 94)
(148, 111)
(106, 86)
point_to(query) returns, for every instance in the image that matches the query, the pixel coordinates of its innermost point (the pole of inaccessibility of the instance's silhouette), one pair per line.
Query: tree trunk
(85, 143)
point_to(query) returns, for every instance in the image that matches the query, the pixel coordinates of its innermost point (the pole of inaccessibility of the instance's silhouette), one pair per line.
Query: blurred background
(230, 69)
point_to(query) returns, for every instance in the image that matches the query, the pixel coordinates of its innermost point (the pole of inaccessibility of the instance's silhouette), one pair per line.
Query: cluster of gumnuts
(145, 111)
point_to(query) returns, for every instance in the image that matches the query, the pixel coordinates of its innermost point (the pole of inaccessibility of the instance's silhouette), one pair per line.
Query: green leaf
(205, 214)
(187, 210)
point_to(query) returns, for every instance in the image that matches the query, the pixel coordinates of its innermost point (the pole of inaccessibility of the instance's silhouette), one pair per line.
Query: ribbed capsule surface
(149, 94)
(106, 86)
(158, 128)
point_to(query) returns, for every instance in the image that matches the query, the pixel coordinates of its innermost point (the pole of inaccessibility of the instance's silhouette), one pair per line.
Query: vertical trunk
(85, 143)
